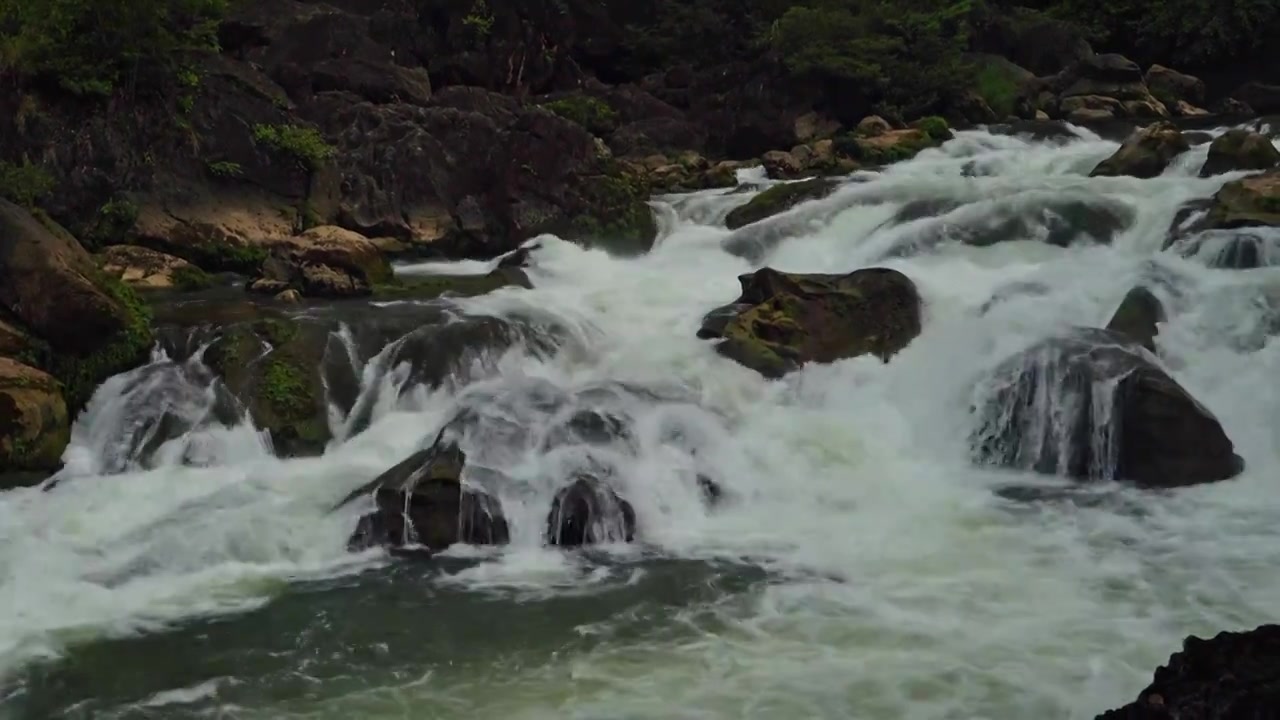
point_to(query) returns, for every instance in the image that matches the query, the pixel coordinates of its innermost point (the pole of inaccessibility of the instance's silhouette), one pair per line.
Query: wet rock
(1184, 109)
(1037, 130)
(1146, 153)
(1093, 405)
(591, 427)
(894, 146)
(793, 319)
(428, 287)
(1239, 149)
(589, 512)
(95, 327)
(1233, 108)
(34, 425)
(1249, 202)
(423, 501)
(147, 269)
(778, 199)
(1172, 87)
(325, 262)
(1138, 317)
(873, 126)
(781, 165)
(1232, 676)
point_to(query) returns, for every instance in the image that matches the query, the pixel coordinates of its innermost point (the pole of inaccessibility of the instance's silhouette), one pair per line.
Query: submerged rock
(589, 512)
(1232, 676)
(779, 199)
(1239, 149)
(423, 501)
(788, 320)
(1146, 153)
(1138, 316)
(34, 426)
(1093, 405)
(429, 287)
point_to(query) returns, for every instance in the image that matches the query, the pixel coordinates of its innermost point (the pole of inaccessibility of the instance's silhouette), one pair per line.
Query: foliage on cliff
(97, 47)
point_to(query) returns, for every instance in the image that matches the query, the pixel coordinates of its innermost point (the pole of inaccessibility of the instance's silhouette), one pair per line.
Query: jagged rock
(1232, 676)
(324, 262)
(423, 501)
(148, 269)
(1052, 407)
(1090, 107)
(1240, 149)
(51, 285)
(1138, 317)
(1146, 153)
(34, 425)
(787, 320)
(779, 199)
(1145, 109)
(1172, 87)
(589, 512)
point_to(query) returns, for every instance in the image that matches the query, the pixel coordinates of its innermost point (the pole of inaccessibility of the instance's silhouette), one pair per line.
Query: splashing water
(860, 566)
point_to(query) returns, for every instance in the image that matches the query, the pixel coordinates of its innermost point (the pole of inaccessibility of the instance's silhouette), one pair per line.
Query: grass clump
(591, 113)
(24, 184)
(305, 145)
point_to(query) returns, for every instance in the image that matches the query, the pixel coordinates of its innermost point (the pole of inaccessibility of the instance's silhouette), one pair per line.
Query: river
(861, 566)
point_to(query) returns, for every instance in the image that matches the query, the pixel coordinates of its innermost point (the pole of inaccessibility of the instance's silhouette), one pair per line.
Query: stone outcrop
(1172, 87)
(34, 426)
(1050, 408)
(1240, 149)
(324, 262)
(1146, 153)
(1231, 676)
(782, 321)
(146, 269)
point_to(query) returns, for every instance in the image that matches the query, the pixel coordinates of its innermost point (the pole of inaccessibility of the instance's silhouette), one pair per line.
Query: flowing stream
(861, 565)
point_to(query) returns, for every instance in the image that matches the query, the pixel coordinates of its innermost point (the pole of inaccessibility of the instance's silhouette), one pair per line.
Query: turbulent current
(861, 565)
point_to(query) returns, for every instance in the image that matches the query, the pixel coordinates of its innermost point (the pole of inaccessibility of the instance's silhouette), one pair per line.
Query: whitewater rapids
(863, 567)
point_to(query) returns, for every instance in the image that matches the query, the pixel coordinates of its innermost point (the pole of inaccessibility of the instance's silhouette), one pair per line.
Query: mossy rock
(778, 199)
(895, 145)
(1252, 201)
(591, 113)
(81, 375)
(1240, 150)
(430, 287)
(275, 366)
(34, 424)
(615, 215)
(784, 320)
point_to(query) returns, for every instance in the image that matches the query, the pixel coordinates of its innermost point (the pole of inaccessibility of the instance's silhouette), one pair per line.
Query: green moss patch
(81, 375)
(591, 113)
(616, 215)
(779, 199)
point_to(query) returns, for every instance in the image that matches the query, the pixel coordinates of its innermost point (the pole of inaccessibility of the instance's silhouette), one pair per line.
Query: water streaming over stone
(863, 561)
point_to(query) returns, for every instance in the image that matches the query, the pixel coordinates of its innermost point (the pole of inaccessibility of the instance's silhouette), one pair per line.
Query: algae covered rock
(778, 199)
(1146, 153)
(34, 424)
(782, 321)
(93, 324)
(1239, 149)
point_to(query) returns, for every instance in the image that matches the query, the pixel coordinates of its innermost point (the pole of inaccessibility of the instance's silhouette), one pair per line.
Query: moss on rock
(591, 113)
(34, 424)
(779, 199)
(80, 375)
(616, 215)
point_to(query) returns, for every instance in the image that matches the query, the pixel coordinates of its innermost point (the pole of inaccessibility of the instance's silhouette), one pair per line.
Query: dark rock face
(788, 320)
(1094, 406)
(1239, 149)
(589, 512)
(1040, 43)
(1232, 676)
(1137, 317)
(423, 502)
(1146, 153)
(1261, 97)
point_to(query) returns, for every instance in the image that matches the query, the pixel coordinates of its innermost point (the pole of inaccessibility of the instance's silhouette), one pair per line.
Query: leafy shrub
(304, 144)
(591, 113)
(998, 86)
(24, 184)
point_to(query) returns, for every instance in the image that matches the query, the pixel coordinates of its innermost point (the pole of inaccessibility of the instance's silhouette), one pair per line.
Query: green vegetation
(480, 19)
(80, 376)
(998, 86)
(935, 127)
(24, 184)
(225, 169)
(111, 225)
(97, 47)
(190, 278)
(616, 214)
(591, 113)
(305, 145)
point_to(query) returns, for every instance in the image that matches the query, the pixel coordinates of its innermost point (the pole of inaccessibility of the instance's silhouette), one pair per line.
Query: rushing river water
(861, 566)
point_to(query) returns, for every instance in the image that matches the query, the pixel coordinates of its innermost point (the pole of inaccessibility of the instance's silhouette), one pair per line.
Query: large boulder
(34, 426)
(1146, 153)
(326, 261)
(1232, 676)
(1093, 405)
(589, 512)
(1249, 202)
(425, 502)
(146, 269)
(1172, 87)
(779, 199)
(1240, 149)
(50, 284)
(782, 321)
